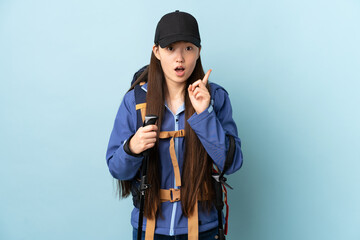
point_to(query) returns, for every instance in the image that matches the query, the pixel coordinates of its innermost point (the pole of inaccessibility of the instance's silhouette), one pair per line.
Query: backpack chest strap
(172, 135)
(174, 195)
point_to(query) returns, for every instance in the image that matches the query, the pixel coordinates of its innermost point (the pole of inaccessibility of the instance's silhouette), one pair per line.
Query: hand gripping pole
(144, 185)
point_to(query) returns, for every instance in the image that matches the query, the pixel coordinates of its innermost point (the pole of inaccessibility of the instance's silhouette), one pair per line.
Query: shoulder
(214, 87)
(135, 96)
(219, 98)
(129, 96)
(129, 100)
(218, 93)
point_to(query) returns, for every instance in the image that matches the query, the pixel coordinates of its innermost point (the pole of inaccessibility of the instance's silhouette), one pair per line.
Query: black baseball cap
(177, 26)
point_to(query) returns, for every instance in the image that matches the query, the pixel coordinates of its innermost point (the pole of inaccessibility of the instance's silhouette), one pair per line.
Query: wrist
(128, 150)
(202, 110)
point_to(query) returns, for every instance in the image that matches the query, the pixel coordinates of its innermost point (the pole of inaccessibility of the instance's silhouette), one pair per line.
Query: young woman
(188, 139)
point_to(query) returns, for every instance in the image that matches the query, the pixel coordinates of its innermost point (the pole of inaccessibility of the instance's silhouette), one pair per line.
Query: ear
(199, 52)
(156, 51)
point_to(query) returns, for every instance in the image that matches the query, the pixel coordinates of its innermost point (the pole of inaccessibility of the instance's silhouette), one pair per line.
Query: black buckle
(221, 180)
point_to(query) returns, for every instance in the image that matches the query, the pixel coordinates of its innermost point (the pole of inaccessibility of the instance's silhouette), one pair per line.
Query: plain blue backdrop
(292, 72)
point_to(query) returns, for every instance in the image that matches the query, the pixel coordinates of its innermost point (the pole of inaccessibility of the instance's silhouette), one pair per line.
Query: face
(177, 60)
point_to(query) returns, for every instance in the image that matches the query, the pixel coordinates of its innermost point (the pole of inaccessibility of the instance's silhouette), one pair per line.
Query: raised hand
(199, 94)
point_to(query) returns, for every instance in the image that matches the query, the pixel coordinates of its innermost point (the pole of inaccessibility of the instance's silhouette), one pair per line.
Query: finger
(198, 83)
(150, 135)
(202, 88)
(150, 145)
(190, 89)
(190, 92)
(199, 95)
(197, 91)
(150, 128)
(206, 77)
(149, 141)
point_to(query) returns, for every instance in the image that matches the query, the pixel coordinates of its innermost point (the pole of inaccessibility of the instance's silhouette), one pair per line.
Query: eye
(170, 48)
(188, 48)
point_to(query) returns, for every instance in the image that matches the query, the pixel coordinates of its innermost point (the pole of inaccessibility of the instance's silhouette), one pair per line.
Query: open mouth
(179, 69)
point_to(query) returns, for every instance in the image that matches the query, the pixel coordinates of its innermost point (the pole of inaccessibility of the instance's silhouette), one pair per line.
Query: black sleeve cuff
(127, 148)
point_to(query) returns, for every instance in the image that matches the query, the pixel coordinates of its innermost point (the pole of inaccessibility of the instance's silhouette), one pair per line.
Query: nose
(179, 56)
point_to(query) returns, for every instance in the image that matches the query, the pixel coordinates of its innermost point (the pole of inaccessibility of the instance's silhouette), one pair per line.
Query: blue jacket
(210, 126)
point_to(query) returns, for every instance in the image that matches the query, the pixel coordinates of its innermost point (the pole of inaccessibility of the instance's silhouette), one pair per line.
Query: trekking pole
(149, 120)
(219, 205)
(219, 181)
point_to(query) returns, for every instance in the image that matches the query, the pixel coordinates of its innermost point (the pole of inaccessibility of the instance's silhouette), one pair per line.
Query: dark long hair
(197, 165)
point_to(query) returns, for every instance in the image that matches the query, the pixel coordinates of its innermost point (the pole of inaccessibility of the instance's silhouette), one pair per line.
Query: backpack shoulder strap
(140, 97)
(140, 100)
(230, 155)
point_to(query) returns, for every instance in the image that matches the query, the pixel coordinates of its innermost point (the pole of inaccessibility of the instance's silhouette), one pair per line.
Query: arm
(211, 126)
(122, 165)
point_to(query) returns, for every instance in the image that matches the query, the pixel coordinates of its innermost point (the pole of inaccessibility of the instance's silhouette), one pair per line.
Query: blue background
(291, 69)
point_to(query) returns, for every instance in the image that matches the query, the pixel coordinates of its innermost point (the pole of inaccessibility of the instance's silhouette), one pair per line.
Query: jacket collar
(144, 87)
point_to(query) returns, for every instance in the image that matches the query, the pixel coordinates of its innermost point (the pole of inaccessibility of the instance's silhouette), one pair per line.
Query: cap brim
(186, 38)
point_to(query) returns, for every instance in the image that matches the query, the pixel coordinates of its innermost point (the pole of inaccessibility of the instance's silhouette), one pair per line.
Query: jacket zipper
(172, 223)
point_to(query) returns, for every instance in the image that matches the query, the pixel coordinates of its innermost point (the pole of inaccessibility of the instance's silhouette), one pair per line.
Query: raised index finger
(206, 77)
